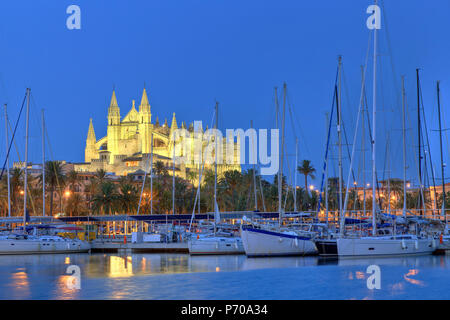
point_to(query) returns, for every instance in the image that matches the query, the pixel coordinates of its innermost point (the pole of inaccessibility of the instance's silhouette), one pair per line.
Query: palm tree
(191, 175)
(73, 180)
(16, 188)
(4, 195)
(54, 178)
(307, 170)
(160, 169)
(128, 199)
(100, 176)
(75, 205)
(105, 200)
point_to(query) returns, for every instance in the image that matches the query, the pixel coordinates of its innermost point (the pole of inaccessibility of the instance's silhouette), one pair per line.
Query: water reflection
(413, 272)
(19, 281)
(115, 276)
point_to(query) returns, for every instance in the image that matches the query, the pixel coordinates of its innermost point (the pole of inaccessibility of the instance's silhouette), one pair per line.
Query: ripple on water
(180, 276)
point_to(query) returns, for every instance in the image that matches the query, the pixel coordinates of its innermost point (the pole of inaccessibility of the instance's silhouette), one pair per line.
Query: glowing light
(67, 193)
(21, 192)
(311, 187)
(120, 267)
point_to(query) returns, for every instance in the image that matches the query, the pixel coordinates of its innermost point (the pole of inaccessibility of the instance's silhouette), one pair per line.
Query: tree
(160, 169)
(307, 170)
(128, 198)
(75, 205)
(105, 201)
(73, 180)
(100, 176)
(54, 179)
(16, 188)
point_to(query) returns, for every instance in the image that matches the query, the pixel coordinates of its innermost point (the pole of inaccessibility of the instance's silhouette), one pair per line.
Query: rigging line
(289, 182)
(347, 95)
(371, 139)
(59, 185)
(12, 138)
(445, 131)
(203, 158)
(388, 40)
(347, 146)
(360, 106)
(428, 143)
(397, 91)
(385, 156)
(301, 131)
(325, 162)
(18, 156)
(412, 146)
(292, 121)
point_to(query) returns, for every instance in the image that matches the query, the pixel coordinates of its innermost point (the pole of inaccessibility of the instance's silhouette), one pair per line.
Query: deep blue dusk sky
(191, 53)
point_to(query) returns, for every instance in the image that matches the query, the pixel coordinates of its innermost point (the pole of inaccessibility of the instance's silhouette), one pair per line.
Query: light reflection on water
(180, 276)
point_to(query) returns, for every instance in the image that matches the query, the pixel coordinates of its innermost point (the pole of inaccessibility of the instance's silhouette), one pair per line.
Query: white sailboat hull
(32, 247)
(384, 247)
(264, 243)
(215, 245)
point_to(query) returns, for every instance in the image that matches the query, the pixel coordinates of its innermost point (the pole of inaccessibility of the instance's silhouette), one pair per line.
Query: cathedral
(127, 146)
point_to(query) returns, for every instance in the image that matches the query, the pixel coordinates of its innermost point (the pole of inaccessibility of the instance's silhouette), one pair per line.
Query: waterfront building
(126, 147)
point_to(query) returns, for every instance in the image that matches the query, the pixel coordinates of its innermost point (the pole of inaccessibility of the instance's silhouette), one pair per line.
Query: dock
(146, 247)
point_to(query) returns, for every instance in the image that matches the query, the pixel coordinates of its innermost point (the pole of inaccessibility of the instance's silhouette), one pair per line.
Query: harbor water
(180, 276)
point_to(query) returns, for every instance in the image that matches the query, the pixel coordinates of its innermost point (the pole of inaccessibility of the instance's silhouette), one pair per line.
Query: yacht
(215, 244)
(26, 244)
(387, 245)
(271, 241)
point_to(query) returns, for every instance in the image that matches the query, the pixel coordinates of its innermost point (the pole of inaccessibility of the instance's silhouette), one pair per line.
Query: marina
(180, 276)
(211, 151)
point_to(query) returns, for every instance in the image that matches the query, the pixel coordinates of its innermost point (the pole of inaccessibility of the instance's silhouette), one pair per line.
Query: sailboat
(217, 242)
(24, 243)
(265, 240)
(377, 245)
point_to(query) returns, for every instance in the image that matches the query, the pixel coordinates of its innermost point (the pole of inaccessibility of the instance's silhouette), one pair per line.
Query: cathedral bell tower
(113, 131)
(90, 152)
(145, 126)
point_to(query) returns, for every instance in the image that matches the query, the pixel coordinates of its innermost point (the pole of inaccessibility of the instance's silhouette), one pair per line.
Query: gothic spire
(174, 123)
(144, 102)
(113, 102)
(91, 132)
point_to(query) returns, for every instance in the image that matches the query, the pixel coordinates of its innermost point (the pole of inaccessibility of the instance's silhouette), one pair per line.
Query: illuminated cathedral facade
(127, 146)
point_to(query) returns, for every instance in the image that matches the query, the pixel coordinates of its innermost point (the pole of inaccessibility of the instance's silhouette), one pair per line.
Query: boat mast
(421, 202)
(43, 163)
(7, 161)
(295, 174)
(216, 136)
(26, 163)
(363, 105)
(326, 171)
(280, 174)
(151, 175)
(404, 146)
(374, 114)
(173, 176)
(254, 173)
(339, 127)
(442, 159)
(279, 156)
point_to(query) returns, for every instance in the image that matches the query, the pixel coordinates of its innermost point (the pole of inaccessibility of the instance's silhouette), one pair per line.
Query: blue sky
(191, 53)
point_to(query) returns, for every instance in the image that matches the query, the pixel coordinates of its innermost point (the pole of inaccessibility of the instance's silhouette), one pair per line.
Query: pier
(147, 247)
